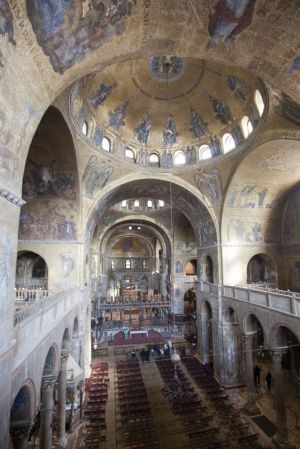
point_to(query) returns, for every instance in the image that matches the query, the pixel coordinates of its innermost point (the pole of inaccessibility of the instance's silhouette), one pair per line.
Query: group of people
(153, 351)
(268, 378)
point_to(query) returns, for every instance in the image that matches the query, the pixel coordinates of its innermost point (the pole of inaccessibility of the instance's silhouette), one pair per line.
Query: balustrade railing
(24, 295)
(109, 304)
(43, 302)
(284, 301)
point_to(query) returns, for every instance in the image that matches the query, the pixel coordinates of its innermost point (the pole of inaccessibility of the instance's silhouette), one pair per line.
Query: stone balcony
(38, 316)
(283, 301)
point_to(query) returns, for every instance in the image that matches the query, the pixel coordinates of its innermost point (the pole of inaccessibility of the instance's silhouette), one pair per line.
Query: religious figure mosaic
(101, 94)
(238, 87)
(228, 18)
(222, 110)
(142, 130)
(116, 118)
(198, 125)
(68, 30)
(169, 132)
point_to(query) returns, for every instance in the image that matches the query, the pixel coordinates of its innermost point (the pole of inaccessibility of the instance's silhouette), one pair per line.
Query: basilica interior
(149, 244)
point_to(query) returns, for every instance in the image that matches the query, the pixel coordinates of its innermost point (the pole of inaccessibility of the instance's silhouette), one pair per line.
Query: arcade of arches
(149, 191)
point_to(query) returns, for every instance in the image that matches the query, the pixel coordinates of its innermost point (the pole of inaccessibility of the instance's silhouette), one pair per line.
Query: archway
(191, 267)
(253, 326)
(32, 271)
(261, 270)
(290, 345)
(208, 270)
(21, 417)
(76, 343)
(206, 333)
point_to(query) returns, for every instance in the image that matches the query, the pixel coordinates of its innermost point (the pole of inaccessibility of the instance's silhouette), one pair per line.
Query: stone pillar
(19, 437)
(61, 404)
(47, 413)
(280, 440)
(250, 407)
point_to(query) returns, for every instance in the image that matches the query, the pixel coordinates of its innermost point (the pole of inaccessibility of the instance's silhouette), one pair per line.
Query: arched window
(105, 144)
(149, 203)
(130, 153)
(260, 104)
(161, 203)
(136, 203)
(246, 126)
(85, 128)
(154, 160)
(128, 263)
(228, 143)
(204, 152)
(179, 158)
(124, 204)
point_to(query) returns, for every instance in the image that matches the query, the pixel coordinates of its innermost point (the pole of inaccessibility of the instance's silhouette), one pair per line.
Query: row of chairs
(198, 423)
(94, 413)
(235, 428)
(136, 429)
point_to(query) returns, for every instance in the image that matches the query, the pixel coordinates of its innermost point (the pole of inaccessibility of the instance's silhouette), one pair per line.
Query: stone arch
(206, 332)
(285, 338)
(282, 333)
(65, 346)
(230, 315)
(183, 196)
(75, 328)
(22, 412)
(190, 302)
(187, 199)
(208, 269)
(51, 183)
(50, 368)
(252, 325)
(31, 270)
(147, 221)
(191, 267)
(24, 403)
(261, 269)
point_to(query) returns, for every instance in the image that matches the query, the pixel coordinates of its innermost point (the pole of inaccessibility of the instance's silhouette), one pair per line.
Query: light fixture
(175, 390)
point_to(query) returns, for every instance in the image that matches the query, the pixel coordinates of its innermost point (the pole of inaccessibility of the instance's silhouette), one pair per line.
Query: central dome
(165, 102)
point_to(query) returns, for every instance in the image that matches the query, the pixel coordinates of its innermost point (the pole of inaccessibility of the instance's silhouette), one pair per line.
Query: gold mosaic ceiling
(165, 101)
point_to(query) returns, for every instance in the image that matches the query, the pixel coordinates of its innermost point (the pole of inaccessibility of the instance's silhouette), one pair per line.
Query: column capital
(48, 382)
(19, 432)
(277, 353)
(64, 355)
(247, 339)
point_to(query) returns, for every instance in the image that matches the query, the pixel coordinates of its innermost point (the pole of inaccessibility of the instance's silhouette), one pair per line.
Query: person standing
(269, 380)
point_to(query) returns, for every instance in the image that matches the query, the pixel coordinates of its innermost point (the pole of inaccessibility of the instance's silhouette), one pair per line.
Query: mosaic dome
(165, 104)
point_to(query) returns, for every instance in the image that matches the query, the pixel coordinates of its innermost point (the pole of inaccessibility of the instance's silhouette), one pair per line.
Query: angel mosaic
(96, 174)
(210, 184)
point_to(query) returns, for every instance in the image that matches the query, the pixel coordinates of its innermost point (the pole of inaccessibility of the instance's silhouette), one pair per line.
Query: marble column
(281, 438)
(251, 406)
(19, 437)
(47, 412)
(61, 403)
